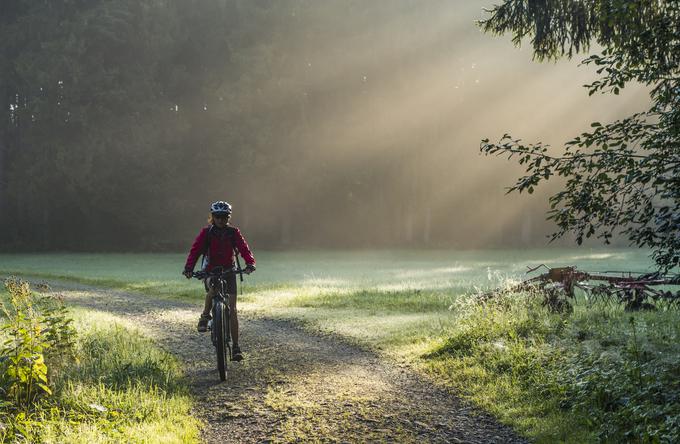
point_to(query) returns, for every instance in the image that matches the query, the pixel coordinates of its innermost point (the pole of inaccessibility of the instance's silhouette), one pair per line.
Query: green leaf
(45, 388)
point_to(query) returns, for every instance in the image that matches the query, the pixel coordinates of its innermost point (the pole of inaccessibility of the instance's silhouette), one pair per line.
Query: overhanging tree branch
(623, 176)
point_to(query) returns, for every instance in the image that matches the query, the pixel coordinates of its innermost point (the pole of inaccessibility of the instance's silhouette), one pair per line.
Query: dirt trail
(294, 386)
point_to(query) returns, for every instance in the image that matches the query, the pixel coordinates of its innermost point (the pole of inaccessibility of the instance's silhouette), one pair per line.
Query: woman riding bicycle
(218, 242)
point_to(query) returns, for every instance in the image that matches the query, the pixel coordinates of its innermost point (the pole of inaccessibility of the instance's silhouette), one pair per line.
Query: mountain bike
(219, 325)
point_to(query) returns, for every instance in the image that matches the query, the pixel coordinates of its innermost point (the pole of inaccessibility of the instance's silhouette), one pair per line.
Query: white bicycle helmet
(220, 207)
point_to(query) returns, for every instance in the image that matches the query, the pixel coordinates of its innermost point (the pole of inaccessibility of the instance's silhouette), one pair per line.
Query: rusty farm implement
(637, 291)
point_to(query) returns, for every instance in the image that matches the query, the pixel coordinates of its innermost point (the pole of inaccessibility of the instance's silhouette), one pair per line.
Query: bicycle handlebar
(216, 273)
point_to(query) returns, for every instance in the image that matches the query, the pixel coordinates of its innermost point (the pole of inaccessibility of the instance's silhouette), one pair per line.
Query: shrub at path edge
(37, 340)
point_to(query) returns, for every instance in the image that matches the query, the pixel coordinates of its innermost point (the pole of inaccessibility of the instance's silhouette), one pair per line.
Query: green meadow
(597, 374)
(449, 271)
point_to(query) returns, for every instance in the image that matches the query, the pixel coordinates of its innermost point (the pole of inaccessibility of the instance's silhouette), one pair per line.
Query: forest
(325, 124)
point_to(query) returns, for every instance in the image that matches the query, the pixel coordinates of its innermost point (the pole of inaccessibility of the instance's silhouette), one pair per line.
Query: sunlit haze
(388, 107)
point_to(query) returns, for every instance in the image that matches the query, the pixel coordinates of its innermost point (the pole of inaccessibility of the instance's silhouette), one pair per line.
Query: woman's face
(220, 220)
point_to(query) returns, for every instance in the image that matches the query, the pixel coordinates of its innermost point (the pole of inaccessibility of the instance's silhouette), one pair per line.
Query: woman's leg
(207, 306)
(234, 319)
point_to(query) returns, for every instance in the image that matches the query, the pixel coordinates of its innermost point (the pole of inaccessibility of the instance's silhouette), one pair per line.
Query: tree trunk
(285, 228)
(427, 225)
(4, 122)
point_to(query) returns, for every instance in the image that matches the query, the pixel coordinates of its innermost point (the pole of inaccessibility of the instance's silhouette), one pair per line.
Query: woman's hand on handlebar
(249, 269)
(188, 273)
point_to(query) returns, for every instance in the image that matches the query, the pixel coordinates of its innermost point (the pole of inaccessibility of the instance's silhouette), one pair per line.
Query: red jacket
(221, 251)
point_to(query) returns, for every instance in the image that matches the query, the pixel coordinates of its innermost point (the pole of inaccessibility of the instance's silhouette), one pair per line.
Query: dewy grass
(499, 355)
(120, 388)
(582, 377)
(124, 388)
(409, 301)
(115, 355)
(159, 274)
(96, 412)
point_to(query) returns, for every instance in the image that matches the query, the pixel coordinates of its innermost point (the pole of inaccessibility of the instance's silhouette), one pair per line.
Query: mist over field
(337, 124)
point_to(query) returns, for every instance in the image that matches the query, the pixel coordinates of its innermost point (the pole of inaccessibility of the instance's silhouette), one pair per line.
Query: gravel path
(294, 386)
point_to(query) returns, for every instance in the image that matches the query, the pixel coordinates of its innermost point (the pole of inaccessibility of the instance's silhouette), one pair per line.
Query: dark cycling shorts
(231, 283)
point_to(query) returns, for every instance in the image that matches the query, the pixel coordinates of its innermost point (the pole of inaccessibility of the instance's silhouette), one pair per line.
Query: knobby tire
(221, 323)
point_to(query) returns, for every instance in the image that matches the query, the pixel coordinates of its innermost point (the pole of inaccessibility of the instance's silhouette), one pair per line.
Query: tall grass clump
(595, 374)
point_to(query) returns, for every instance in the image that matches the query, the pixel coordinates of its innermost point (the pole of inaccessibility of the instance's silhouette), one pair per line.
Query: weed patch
(37, 340)
(628, 389)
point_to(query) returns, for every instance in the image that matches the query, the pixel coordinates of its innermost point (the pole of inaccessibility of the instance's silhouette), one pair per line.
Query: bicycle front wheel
(221, 324)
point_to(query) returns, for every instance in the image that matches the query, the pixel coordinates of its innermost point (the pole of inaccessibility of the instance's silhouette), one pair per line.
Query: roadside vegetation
(597, 374)
(81, 377)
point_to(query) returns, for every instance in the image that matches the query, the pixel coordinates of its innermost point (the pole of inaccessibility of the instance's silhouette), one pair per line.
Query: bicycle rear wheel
(221, 324)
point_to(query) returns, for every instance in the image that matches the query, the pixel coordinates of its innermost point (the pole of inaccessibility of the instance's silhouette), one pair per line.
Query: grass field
(454, 271)
(533, 369)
